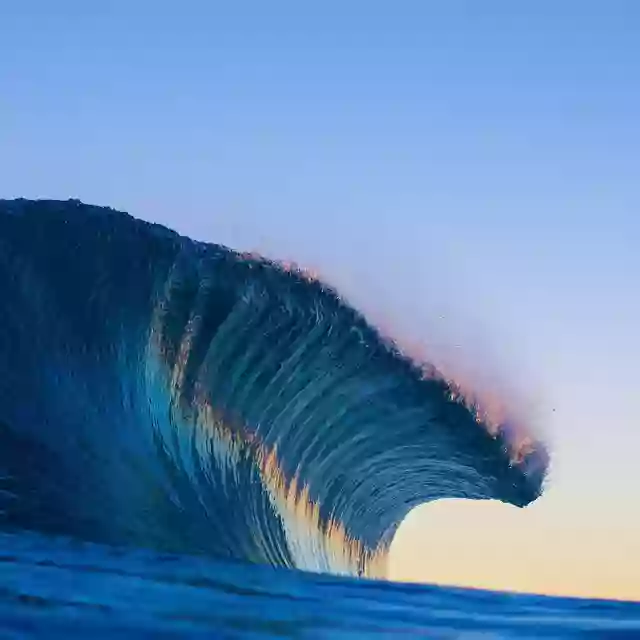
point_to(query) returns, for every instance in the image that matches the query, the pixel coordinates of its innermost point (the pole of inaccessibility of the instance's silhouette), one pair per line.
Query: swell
(176, 395)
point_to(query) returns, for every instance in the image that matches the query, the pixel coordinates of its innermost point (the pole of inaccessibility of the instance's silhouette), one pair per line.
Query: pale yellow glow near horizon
(491, 545)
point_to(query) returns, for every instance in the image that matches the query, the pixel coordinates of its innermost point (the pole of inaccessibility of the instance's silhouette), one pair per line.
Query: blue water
(239, 430)
(63, 589)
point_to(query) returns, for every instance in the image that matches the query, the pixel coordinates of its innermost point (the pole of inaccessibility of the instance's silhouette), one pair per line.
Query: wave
(170, 394)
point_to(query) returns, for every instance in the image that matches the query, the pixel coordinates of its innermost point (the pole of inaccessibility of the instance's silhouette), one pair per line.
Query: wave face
(174, 395)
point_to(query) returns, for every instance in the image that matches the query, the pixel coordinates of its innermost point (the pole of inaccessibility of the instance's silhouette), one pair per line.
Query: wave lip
(181, 396)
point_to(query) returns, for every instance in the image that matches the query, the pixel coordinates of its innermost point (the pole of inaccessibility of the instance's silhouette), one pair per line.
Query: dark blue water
(62, 589)
(229, 422)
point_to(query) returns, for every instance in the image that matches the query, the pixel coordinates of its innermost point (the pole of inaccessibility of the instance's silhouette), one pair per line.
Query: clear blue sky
(469, 172)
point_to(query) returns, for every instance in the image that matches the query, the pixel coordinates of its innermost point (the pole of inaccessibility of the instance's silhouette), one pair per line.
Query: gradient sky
(467, 173)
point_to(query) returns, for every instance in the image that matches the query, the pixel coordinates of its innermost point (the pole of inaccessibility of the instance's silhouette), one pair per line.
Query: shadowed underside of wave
(170, 394)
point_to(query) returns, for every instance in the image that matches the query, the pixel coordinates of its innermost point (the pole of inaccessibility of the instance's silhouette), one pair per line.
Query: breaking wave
(170, 394)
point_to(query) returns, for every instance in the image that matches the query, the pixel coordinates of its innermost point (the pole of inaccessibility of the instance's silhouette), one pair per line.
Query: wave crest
(181, 396)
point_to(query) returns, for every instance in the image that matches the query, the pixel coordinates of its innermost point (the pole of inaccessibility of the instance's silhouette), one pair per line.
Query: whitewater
(195, 440)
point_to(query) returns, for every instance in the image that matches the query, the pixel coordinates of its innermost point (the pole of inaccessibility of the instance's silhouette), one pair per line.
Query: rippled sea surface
(56, 588)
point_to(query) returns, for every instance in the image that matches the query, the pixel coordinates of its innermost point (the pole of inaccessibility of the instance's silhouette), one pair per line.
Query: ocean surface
(56, 588)
(195, 441)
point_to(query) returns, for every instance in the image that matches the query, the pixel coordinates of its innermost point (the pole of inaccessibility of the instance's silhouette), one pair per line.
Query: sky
(466, 173)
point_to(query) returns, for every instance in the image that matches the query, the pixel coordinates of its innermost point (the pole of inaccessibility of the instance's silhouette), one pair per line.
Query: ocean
(196, 441)
(57, 588)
